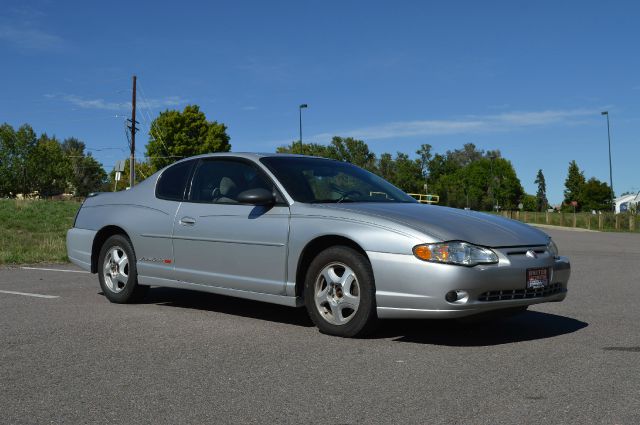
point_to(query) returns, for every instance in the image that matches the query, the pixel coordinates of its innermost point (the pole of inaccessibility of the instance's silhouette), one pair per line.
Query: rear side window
(220, 181)
(173, 181)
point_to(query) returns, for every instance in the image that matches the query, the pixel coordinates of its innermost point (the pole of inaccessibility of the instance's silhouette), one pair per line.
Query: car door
(153, 222)
(220, 242)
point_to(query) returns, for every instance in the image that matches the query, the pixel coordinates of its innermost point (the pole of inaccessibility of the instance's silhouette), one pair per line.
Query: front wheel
(339, 292)
(117, 271)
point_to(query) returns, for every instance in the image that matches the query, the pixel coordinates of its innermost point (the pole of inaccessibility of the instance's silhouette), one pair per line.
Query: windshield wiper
(331, 201)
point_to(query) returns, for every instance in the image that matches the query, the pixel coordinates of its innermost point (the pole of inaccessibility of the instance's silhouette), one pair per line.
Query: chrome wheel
(337, 293)
(115, 269)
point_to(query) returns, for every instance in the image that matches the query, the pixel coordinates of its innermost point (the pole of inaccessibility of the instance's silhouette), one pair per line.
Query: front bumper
(410, 288)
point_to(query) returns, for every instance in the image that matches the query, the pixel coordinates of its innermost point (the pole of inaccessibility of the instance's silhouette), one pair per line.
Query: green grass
(34, 231)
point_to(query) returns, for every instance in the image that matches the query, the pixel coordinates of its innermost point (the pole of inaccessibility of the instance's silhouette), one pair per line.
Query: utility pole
(132, 158)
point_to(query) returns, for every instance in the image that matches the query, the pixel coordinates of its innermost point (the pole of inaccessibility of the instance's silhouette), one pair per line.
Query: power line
(104, 149)
(150, 126)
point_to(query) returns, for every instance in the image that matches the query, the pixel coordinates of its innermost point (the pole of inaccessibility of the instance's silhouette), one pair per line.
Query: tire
(117, 271)
(339, 293)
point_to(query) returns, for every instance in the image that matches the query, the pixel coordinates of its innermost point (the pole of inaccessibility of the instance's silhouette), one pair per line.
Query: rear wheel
(117, 271)
(339, 292)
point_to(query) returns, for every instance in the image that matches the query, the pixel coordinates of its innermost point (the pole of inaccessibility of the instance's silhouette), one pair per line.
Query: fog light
(458, 296)
(451, 296)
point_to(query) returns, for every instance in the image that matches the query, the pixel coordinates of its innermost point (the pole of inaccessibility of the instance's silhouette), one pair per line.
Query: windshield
(317, 180)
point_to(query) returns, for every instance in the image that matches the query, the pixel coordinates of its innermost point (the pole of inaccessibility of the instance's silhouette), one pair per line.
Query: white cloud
(465, 125)
(165, 102)
(411, 128)
(540, 117)
(30, 38)
(96, 103)
(100, 103)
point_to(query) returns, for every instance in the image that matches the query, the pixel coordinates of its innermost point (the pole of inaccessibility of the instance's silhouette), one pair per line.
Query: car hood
(448, 224)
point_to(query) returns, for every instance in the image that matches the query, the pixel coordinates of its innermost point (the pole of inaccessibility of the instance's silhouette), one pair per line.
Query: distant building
(627, 202)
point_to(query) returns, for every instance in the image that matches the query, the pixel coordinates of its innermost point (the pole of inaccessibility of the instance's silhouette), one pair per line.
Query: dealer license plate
(537, 278)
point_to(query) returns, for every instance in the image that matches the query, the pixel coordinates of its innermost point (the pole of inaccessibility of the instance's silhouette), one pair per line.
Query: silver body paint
(254, 252)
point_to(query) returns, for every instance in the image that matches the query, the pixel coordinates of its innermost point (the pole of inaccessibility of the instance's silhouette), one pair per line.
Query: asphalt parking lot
(187, 357)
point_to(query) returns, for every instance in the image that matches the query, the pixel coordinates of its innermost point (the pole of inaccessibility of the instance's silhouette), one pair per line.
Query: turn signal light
(422, 252)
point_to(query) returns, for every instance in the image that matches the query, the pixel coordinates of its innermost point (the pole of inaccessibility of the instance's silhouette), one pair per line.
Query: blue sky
(528, 78)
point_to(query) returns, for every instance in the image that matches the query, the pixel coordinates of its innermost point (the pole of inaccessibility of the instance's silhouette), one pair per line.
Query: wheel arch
(316, 246)
(102, 235)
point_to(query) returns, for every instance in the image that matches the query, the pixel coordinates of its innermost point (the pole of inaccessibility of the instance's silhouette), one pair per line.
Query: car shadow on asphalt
(185, 298)
(527, 326)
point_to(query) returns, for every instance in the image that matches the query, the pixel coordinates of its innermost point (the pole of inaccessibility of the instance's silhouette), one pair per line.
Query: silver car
(312, 232)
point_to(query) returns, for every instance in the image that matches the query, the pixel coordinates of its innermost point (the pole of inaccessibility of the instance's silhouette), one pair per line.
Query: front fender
(371, 237)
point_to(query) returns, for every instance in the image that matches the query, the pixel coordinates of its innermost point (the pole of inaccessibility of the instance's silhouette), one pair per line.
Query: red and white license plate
(537, 278)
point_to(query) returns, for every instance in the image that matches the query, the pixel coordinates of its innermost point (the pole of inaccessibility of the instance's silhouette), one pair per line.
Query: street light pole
(492, 184)
(303, 106)
(610, 168)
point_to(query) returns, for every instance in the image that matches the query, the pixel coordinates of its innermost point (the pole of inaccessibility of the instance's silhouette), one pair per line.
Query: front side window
(172, 182)
(316, 180)
(221, 181)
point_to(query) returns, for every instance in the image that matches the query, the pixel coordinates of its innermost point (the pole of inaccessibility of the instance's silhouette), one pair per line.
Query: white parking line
(54, 270)
(28, 294)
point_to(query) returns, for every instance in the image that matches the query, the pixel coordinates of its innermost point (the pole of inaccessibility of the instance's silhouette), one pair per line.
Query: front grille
(519, 294)
(524, 252)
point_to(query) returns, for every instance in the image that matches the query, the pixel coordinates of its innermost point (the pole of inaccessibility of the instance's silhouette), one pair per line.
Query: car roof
(249, 155)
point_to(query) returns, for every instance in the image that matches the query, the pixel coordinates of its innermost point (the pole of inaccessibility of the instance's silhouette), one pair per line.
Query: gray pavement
(187, 357)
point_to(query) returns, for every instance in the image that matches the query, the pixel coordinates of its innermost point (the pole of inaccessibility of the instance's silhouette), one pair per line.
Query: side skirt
(256, 296)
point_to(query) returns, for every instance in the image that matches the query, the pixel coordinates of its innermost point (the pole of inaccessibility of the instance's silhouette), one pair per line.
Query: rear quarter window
(173, 181)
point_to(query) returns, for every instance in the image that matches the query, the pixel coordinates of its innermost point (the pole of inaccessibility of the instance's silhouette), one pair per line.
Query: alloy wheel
(337, 293)
(115, 269)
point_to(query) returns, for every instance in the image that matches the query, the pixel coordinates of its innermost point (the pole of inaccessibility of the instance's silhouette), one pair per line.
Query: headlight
(553, 248)
(462, 253)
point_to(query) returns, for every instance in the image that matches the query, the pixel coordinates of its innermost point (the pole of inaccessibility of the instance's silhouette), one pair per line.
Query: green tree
(174, 135)
(16, 172)
(424, 155)
(408, 174)
(22, 172)
(439, 166)
(468, 154)
(541, 194)
(573, 185)
(387, 167)
(352, 150)
(86, 174)
(472, 178)
(596, 195)
(529, 202)
(312, 149)
(90, 176)
(73, 146)
(509, 190)
(7, 135)
(52, 165)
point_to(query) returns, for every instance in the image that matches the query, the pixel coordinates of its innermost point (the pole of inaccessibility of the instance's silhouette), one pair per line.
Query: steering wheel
(343, 194)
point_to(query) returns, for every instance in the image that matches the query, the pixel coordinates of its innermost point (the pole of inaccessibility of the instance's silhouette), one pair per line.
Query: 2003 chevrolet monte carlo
(313, 232)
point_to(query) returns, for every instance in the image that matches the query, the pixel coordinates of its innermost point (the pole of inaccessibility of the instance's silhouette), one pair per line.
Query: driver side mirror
(257, 196)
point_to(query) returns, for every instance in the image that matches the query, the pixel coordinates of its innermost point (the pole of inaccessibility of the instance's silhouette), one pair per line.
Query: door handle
(187, 221)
